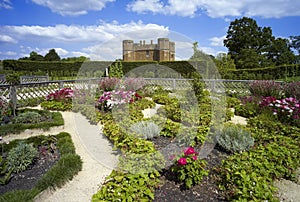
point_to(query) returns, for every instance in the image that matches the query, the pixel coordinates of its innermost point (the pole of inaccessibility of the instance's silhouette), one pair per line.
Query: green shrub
(189, 169)
(232, 102)
(128, 187)
(266, 88)
(5, 173)
(20, 157)
(57, 105)
(141, 163)
(48, 119)
(249, 176)
(64, 170)
(28, 117)
(234, 138)
(146, 129)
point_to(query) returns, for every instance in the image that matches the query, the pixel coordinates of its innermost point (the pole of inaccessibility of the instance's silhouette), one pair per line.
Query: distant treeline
(174, 69)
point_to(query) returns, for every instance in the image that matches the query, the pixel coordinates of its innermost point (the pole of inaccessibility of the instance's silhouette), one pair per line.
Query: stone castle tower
(164, 50)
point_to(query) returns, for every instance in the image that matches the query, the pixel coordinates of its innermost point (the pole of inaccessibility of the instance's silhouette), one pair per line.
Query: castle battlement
(163, 50)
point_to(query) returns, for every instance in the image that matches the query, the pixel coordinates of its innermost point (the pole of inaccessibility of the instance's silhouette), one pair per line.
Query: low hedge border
(57, 120)
(64, 170)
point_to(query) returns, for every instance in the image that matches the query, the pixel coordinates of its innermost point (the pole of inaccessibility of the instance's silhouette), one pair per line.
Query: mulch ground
(27, 179)
(171, 190)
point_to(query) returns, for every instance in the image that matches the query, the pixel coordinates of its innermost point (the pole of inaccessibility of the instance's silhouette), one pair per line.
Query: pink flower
(182, 161)
(194, 157)
(189, 150)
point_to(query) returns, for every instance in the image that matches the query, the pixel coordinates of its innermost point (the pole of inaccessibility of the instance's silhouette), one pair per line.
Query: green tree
(224, 62)
(295, 43)
(280, 52)
(244, 37)
(52, 56)
(34, 56)
(198, 55)
(116, 70)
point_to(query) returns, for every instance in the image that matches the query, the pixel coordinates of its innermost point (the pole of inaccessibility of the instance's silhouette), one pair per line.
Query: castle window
(147, 53)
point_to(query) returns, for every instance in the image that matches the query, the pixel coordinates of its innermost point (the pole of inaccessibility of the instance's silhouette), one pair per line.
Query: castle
(164, 50)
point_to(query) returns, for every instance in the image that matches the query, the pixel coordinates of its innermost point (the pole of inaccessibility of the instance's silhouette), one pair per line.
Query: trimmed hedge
(67, 166)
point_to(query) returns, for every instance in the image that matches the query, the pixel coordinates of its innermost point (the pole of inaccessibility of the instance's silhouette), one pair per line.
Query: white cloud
(75, 33)
(217, 41)
(6, 4)
(73, 7)
(154, 6)
(9, 53)
(103, 41)
(219, 8)
(7, 39)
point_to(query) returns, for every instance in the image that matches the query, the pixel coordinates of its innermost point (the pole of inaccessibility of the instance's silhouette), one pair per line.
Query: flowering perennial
(188, 153)
(189, 169)
(112, 98)
(64, 94)
(287, 109)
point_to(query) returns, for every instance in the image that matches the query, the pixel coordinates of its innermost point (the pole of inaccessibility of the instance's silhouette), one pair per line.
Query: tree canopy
(251, 46)
(52, 56)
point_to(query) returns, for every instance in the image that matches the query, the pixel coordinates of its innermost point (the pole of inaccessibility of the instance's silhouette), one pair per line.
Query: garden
(162, 153)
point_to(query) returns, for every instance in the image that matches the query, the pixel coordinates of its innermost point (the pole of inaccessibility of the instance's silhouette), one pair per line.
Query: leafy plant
(108, 84)
(20, 157)
(133, 84)
(116, 70)
(234, 138)
(292, 89)
(146, 129)
(121, 186)
(189, 169)
(5, 173)
(63, 95)
(27, 117)
(4, 108)
(141, 163)
(266, 88)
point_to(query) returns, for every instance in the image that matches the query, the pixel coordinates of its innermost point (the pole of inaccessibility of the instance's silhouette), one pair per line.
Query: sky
(96, 28)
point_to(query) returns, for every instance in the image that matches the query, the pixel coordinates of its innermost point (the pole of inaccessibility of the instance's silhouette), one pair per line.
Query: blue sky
(96, 28)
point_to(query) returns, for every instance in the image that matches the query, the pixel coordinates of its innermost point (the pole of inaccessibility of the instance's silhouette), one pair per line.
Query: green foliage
(20, 157)
(48, 119)
(224, 62)
(163, 98)
(52, 56)
(266, 88)
(234, 138)
(5, 173)
(189, 169)
(146, 129)
(27, 117)
(141, 163)
(116, 70)
(198, 85)
(232, 102)
(57, 105)
(248, 176)
(13, 78)
(126, 142)
(64, 170)
(142, 104)
(128, 187)
(67, 166)
(170, 128)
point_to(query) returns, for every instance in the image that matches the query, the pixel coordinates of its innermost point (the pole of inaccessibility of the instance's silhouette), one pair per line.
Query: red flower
(189, 150)
(182, 161)
(194, 157)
